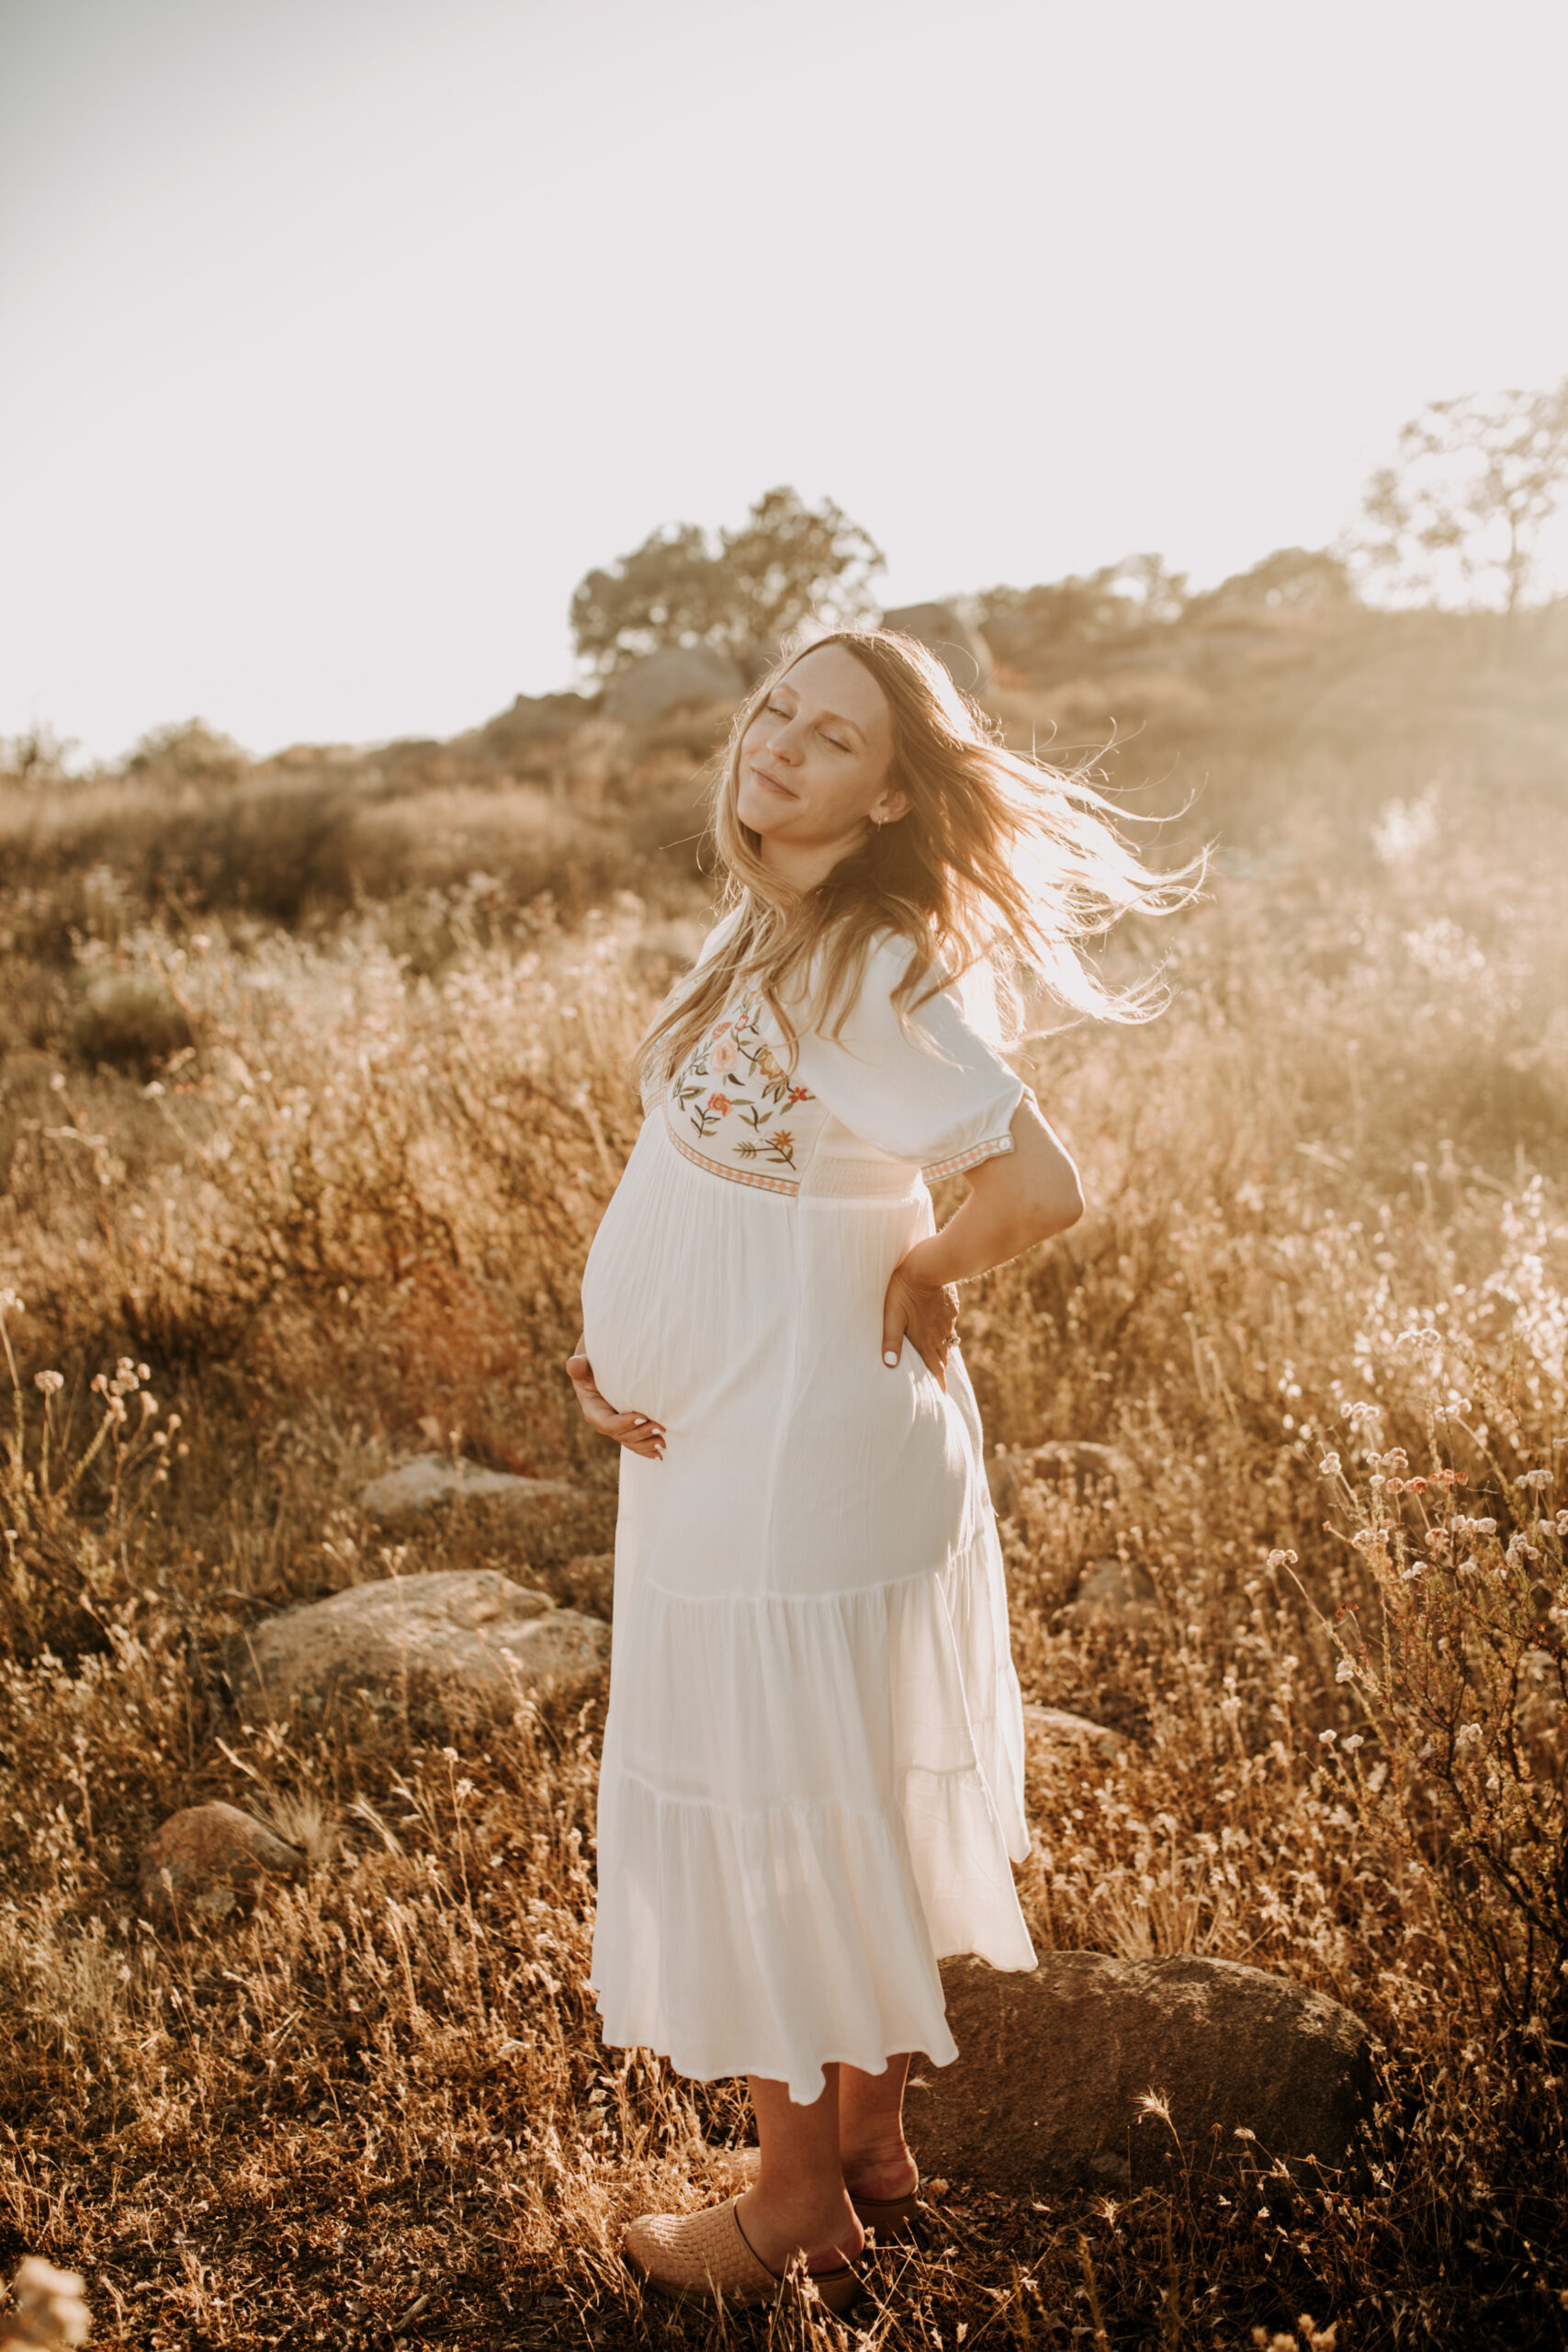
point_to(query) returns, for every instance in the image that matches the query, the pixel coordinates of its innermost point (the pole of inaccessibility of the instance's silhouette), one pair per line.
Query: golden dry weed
(1319, 1302)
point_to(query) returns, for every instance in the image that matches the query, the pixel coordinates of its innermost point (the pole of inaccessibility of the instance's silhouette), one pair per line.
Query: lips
(761, 775)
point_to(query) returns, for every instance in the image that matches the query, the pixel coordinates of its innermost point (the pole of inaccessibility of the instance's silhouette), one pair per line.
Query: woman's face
(814, 766)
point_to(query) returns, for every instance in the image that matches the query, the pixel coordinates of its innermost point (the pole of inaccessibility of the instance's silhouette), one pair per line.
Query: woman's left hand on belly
(635, 1431)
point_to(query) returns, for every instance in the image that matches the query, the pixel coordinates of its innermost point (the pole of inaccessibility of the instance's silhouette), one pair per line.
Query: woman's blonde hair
(999, 860)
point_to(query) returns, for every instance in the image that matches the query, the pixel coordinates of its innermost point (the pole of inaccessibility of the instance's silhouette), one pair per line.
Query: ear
(892, 803)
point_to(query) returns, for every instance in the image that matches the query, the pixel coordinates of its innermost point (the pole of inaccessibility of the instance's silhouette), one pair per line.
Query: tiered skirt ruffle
(869, 1749)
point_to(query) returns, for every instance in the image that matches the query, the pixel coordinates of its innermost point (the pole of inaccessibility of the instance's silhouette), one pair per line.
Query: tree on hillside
(189, 750)
(787, 563)
(39, 757)
(1462, 506)
(1156, 593)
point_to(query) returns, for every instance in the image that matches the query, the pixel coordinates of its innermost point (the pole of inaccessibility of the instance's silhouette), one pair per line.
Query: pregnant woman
(812, 1781)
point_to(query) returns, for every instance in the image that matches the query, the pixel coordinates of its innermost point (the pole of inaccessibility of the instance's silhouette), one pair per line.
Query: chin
(756, 812)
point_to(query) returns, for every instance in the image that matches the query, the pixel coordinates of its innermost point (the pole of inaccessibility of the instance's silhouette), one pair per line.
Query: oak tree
(787, 563)
(1461, 506)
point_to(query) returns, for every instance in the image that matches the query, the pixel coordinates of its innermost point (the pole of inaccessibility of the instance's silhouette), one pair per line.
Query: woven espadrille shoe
(740, 2165)
(702, 2257)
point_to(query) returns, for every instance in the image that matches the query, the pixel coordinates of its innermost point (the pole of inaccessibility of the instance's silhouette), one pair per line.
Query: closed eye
(777, 710)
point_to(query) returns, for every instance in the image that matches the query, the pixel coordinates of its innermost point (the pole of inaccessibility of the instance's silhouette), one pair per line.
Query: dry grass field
(308, 1104)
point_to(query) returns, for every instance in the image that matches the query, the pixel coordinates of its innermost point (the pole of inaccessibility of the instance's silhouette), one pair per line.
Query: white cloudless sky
(339, 337)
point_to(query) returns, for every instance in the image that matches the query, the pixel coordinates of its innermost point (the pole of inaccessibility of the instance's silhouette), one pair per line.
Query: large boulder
(1054, 2065)
(204, 1858)
(957, 643)
(417, 1485)
(468, 1636)
(675, 678)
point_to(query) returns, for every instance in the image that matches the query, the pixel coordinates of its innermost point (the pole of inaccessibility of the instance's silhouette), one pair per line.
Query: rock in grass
(1054, 2065)
(461, 1635)
(1080, 1460)
(428, 1479)
(205, 1857)
(1056, 1725)
(1112, 1592)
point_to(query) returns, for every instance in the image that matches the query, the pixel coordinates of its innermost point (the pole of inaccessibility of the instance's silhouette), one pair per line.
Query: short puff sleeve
(933, 1092)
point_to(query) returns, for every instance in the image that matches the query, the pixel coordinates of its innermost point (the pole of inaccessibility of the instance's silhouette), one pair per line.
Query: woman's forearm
(1016, 1200)
(974, 1241)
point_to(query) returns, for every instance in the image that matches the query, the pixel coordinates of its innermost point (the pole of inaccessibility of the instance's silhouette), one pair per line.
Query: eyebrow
(831, 717)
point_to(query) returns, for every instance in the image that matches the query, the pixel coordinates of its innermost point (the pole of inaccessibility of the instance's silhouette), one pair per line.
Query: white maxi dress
(812, 1776)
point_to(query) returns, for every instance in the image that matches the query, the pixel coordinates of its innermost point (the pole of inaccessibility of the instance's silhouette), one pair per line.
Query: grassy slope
(354, 1216)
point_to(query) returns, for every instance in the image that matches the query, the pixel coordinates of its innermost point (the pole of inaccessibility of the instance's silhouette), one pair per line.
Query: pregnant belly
(687, 1290)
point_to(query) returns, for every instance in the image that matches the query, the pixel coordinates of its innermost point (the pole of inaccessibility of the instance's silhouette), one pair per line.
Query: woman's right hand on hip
(926, 1314)
(635, 1431)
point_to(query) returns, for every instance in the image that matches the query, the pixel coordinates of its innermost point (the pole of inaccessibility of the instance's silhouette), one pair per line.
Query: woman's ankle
(777, 2229)
(882, 2166)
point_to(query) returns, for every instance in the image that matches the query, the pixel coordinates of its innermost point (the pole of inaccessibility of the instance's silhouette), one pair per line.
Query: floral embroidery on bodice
(738, 1108)
(733, 1105)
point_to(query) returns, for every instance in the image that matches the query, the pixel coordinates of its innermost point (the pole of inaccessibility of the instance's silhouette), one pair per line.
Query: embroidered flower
(754, 1084)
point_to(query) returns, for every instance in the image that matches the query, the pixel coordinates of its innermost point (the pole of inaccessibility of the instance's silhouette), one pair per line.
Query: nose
(781, 742)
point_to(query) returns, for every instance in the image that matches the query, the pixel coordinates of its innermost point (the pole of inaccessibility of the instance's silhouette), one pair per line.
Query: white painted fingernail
(639, 1419)
(889, 1357)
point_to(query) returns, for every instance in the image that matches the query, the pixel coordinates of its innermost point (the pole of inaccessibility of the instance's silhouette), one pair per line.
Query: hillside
(1237, 728)
(310, 1104)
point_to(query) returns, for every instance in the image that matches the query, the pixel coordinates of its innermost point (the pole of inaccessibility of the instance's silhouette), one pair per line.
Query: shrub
(128, 1020)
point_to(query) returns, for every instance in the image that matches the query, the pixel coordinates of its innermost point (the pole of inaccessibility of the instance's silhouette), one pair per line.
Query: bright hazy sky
(339, 337)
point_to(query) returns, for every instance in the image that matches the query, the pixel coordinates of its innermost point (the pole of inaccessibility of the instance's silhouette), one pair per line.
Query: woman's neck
(802, 867)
